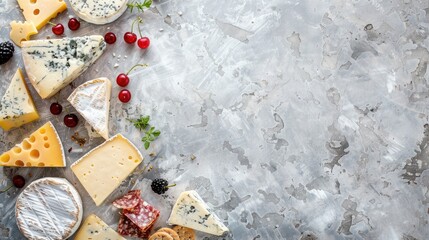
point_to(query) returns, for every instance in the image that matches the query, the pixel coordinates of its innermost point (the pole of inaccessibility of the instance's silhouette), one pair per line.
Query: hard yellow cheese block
(16, 106)
(104, 168)
(41, 11)
(21, 31)
(42, 148)
(95, 229)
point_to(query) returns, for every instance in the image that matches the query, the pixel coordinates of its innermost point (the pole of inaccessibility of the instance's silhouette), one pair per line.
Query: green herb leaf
(150, 134)
(139, 5)
(146, 145)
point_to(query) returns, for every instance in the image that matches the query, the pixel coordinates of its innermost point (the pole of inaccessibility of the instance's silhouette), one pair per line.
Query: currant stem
(51, 23)
(172, 185)
(7, 189)
(137, 65)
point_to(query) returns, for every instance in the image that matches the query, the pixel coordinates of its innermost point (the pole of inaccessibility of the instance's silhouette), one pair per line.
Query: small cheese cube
(21, 31)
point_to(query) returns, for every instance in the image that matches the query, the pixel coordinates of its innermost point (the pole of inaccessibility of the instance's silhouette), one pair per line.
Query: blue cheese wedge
(99, 11)
(16, 106)
(92, 101)
(53, 64)
(191, 211)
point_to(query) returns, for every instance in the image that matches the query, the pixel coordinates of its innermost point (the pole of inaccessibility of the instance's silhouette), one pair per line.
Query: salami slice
(129, 200)
(127, 228)
(143, 215)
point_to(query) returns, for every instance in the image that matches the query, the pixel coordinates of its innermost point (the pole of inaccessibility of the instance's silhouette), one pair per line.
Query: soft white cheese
(99, 11)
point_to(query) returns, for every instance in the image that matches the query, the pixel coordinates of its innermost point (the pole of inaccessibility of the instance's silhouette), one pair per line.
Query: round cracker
(170, 232)
(160, 236)
(184, 233)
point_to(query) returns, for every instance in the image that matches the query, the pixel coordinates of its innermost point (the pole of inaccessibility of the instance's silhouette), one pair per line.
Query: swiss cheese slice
(49, 208)
(92, 101)
(21, 31)
(94, 228)
(191, 211)
(41, 11)
(103, 169)
(42, 148)
(53, 64)
(16, 106)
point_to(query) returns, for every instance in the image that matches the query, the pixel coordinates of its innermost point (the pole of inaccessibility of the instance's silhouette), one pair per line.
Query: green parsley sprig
(139, 5)
(151, 134)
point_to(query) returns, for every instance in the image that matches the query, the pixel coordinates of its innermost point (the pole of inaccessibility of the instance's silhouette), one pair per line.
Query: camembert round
(49, 208)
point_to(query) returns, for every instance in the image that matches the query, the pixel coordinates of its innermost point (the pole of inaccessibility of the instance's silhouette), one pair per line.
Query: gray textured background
(305, 117)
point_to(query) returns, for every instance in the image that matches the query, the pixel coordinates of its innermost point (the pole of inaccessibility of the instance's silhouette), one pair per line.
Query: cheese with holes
(94, 228)
(49, 208)
(16, 106)
(21, 31)
(191, 211)
(92, 101)
(99, 11)
(53, 64)
(41, 11)
(104, 168)
(42, 148)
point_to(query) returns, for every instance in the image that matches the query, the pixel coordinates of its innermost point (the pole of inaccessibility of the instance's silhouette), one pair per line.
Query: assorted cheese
(92, 101)
(16, 106)
(53, 64)
(49, 208)
(41, 11)
(21, 31)
(191, 211)
(42, 148)
(95, 229)
(104, 168)
(99, 11)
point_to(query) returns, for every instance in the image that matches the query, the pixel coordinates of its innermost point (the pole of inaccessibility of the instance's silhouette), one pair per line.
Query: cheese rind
(95, 229)
(16, 106)
(191, 211)
(49, 208)
(103, 169)
(99, 11)
(53, 64)
(42, 148)
(21, 31)
(92, 101)
(41, 11)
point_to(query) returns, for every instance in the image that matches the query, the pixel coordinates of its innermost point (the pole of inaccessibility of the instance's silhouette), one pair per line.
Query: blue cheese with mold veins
(191, 211)
(53, 64)
(99, 11)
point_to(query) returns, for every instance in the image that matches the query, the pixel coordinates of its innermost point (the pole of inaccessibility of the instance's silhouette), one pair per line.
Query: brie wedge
(92, 101)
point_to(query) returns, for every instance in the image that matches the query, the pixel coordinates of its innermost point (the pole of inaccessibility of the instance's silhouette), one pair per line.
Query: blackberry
(6, 51)
(160, 186)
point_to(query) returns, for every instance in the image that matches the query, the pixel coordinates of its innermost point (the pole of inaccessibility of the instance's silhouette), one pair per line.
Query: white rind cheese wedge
(49, 208)
(53, 64)
(94, 228)
(92, 101)
(16, 106)
(99, 11)
(103, 169)
(191, 211)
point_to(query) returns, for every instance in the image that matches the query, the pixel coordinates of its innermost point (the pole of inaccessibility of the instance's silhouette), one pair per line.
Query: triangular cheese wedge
(92, 101)
(42, 148)
(16, 106)
(53, 64)
(191, 211)
(95, 229)
(41, 11)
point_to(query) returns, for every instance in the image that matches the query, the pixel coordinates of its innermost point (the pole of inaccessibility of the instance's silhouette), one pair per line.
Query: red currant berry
(18, 181)
(122, 80)
(110, 38)
(71, 120)
(58, 29)
(56, 108)
(143, 42)
(130, 37)
(124, 96)
(74, 24)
